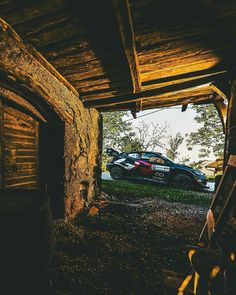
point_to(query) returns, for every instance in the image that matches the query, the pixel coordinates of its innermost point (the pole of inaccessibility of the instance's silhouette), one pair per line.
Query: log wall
(19, 145)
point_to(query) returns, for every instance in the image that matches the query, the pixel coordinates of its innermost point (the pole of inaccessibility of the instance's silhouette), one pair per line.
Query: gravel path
(124, 248)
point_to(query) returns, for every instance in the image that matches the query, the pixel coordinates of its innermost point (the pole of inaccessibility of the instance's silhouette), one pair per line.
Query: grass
(127, 189)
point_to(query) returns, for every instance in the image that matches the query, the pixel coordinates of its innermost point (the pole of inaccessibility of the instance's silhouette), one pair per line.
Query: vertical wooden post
(230, 147)
(230, 136)
(1, 146)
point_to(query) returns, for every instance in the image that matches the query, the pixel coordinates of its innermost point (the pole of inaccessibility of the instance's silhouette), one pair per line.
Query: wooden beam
(14, 98)
(184, 107)
(230, 148)
(222, 88)
(134, 114)
(12, 90)
(151, 94)
(2, 172)
(222, 111)
(124, 18)
(159, 104)
(30, 68)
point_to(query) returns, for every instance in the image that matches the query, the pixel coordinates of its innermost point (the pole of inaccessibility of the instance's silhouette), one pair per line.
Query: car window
(153, 158)
(134, 155)
(156, 160)
(148, 155)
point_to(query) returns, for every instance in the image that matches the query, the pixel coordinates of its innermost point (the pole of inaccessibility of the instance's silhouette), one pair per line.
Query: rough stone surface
(82, 142)
(82, 161)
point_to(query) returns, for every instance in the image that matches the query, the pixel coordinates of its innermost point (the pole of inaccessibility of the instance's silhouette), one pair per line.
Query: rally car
(153, 166)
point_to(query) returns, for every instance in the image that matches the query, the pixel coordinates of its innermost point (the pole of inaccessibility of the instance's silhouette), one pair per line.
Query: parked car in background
(153, 166)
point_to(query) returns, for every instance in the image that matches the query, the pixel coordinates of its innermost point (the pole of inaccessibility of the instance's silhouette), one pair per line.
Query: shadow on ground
(124, 249)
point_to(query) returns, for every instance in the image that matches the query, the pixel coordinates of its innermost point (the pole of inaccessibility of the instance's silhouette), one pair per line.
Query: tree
(130, 142)
(151, 136)
(118, 133)
(174, 143)
(114, 127)
(121, 135)
(210, 135)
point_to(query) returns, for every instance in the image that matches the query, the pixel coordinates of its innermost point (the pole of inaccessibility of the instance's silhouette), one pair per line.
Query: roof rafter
(150, 94)
(125, 24)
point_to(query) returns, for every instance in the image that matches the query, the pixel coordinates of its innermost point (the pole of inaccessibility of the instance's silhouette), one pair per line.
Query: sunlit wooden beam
(153, 93)
(222, 111)
(125, 24)
(221, 88)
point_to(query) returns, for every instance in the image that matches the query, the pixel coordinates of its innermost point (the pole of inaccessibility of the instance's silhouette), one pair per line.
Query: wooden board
(19, 157)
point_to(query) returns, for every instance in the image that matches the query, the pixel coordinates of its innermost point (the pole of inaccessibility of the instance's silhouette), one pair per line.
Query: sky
(178, 121)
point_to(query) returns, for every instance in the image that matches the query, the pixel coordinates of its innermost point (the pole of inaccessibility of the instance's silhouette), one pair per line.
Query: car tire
(182, 180)
(116, 173)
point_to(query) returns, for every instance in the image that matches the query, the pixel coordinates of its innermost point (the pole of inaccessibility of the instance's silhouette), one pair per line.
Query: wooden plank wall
(19, 167)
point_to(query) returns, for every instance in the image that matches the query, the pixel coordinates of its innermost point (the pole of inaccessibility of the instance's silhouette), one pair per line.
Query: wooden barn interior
(63, 62)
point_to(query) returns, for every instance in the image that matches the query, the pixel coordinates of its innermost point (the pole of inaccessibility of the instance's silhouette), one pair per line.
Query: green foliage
(210, 136)
(127, 189)
(118, 134)
(174, 143)
(104, 168)
(130, 142)
(114, 128)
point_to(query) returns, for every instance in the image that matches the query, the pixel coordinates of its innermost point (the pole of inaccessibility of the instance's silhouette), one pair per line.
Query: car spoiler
(111, 152)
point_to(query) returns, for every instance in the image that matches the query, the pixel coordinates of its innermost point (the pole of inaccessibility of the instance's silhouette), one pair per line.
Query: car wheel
(116, 173)
(182, 180)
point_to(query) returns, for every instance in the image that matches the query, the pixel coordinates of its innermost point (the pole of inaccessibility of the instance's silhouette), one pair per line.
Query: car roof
(143, 152)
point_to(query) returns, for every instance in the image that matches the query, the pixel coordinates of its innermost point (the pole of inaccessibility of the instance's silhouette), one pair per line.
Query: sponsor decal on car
(126, 166)
(119, 161)
(160, 168)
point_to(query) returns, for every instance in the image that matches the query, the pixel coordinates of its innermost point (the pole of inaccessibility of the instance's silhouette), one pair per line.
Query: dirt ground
(124, 249)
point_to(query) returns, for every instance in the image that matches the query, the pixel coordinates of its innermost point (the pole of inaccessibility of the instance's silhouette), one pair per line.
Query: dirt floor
(124, 248)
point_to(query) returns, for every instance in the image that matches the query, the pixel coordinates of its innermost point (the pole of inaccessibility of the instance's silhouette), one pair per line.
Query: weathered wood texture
(222, 111)
(171, 93)
(125, 25)
(19, 147)
(230, 148)
(179, 39)
(176, 42)
(81, 138)
(83, 44)
(11, 96)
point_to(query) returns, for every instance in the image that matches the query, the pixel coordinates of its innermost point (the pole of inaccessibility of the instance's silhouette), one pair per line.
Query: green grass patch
(135, 190)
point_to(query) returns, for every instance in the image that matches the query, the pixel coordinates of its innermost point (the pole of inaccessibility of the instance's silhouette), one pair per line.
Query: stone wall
(33, 78)
(83, 144)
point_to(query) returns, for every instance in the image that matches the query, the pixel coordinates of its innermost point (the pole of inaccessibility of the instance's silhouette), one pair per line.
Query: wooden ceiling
(132, 54)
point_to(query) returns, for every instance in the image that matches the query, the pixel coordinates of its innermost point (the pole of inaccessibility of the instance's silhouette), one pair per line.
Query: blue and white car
(153, 166)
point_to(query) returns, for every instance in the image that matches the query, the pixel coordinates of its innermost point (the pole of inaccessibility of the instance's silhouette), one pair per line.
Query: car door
(131, 163)
(159, 167)
(127, 162)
